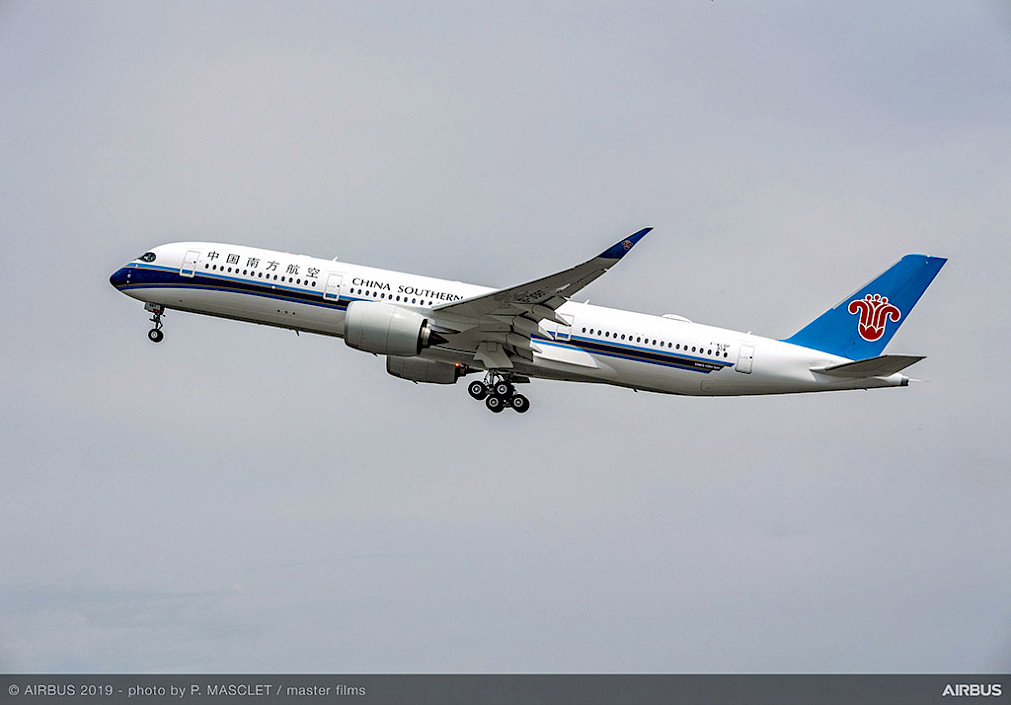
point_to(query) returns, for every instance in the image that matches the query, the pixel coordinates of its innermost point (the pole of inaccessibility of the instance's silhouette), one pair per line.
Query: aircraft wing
(499, 325)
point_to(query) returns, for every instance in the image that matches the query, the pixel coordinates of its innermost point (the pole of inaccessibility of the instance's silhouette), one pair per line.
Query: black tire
(520, 404)
(477, 390)
(504, 390)
(495, 404)
(155, 335)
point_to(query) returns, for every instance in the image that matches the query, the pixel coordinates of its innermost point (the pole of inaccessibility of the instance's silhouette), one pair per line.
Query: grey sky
(242, 499)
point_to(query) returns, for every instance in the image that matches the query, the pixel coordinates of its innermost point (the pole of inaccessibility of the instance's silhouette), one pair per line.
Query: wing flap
(492, 356)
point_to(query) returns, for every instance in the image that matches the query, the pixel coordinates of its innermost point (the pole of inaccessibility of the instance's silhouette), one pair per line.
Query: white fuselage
(604, 345)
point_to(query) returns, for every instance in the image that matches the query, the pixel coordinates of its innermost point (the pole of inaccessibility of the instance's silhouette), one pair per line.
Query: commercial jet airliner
(438, 331)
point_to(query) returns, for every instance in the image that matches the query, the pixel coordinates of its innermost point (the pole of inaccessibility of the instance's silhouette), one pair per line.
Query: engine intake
(385, 329)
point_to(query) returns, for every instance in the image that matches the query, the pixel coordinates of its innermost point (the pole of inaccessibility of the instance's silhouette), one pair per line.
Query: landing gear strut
(498, 393)
(155, 335)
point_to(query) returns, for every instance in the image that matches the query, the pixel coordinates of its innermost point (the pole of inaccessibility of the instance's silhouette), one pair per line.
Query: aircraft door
(332, 292)
(745, 358)
(189, 267)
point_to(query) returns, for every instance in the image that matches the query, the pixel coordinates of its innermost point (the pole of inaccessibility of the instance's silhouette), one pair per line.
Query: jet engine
(418, 369)
(385, 329)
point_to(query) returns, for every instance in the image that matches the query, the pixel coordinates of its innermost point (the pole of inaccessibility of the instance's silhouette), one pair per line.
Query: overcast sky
(241, 499)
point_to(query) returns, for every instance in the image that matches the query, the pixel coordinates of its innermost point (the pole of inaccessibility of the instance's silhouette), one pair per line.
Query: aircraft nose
(120, 277)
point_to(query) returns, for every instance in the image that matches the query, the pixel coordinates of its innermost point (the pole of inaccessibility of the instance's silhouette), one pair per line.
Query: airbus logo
(972, 690)
(875, 311)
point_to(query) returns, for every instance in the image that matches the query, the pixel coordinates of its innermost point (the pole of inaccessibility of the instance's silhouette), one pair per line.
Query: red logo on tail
(874, 311)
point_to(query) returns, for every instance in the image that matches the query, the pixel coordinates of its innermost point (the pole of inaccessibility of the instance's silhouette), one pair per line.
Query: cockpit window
(147, 257)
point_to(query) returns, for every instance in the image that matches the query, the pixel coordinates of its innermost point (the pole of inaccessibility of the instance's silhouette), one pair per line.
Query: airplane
(438, 331)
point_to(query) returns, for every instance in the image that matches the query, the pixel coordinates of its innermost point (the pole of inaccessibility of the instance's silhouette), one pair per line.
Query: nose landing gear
(155, 335)
(498, 393)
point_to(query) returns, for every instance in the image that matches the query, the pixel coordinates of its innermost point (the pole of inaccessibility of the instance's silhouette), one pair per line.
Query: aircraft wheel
(504, 389)
(477, 390)
(521, 404)
(155, 335)
(495, 404)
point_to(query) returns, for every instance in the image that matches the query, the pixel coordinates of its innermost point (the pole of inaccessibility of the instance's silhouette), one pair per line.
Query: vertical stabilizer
(861, 325)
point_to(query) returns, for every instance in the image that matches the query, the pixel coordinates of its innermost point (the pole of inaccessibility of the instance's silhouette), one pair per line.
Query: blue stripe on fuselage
(636, 354)
(153, 277)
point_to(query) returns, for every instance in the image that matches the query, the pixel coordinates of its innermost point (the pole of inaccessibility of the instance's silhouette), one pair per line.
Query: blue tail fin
(861, 325)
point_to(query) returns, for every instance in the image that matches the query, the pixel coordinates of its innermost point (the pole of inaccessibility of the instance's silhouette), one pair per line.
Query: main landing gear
(498, 393)
(155, 335)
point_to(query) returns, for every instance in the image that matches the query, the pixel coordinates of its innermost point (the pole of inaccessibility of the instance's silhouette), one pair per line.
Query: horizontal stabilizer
(883, 366)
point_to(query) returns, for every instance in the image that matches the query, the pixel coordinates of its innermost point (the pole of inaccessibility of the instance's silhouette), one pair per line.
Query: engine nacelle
(385, 329)
(418, 369)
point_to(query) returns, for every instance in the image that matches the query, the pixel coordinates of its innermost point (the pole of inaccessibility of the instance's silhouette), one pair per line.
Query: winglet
(620, 249)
